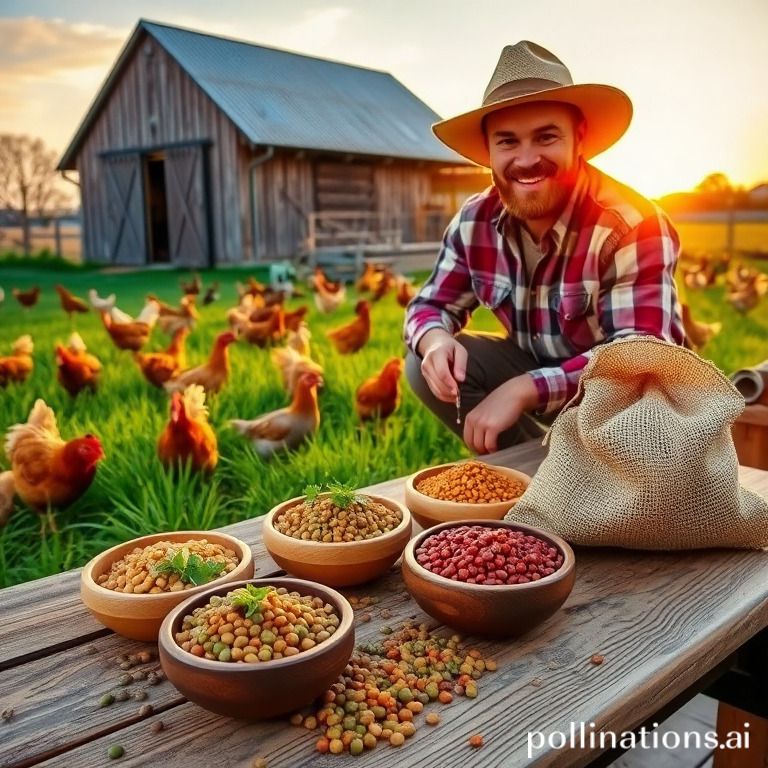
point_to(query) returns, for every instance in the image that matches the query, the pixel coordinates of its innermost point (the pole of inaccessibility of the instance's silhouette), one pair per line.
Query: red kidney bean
(480, 554)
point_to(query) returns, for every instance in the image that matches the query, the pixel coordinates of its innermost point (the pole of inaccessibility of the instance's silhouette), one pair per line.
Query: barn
(201, 150)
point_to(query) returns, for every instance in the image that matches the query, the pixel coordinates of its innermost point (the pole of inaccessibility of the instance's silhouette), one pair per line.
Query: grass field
(132, 495)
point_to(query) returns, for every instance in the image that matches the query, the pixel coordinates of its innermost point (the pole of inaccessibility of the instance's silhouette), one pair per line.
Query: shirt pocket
(491, 293)
(573, 309)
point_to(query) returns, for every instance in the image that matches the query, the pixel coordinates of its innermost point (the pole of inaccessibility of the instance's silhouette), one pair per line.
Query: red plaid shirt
(607, 272)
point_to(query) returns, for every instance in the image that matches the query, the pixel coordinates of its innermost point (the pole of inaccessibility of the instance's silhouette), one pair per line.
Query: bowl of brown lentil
(494, 578)
(131, 587)
(257, 649)
(463, 490)
(337, 541)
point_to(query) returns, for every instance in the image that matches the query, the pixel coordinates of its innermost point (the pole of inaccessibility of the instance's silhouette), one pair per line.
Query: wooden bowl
(428, 511)
(139, 616)
(505, 610)
(342, 564)
(261, 690)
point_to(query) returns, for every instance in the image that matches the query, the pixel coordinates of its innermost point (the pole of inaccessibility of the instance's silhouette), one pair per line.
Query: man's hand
(444, 363)
(497, 412)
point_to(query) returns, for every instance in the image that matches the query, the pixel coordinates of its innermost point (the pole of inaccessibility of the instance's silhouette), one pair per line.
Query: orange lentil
(476, 740)
(471, 482)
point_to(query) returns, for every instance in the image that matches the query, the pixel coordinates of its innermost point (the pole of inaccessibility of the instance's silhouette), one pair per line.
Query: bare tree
(27, 179)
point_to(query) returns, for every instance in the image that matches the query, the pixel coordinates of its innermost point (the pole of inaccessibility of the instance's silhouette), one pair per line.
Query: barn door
(125, 241)
(185, 186)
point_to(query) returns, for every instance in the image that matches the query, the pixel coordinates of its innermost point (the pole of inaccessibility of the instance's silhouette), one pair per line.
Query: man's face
(534, 150)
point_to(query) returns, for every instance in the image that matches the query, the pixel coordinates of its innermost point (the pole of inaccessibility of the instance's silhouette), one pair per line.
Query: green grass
(132, 494)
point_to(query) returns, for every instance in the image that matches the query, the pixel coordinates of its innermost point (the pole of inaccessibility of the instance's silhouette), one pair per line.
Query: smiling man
(565, 257)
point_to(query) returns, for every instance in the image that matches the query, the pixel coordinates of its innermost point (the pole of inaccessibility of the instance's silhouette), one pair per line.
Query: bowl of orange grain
(463, 490)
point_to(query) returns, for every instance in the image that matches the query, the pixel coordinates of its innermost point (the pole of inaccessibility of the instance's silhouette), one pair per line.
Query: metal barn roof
(286, 99)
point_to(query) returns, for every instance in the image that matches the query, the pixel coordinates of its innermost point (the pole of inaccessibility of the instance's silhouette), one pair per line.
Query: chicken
(127, 333)
(698, 333)
(211, 294)
(243, 312)
(263, 332)
(188, 437)
(251, 288)
(184, 317)
(294, 319)
(99, 304)
(353, 336)
(387, 282)
(48, 472)
(292, 363)
(299, 339)
(285, 428)
(6, 496)
(213, 375)
(18, 365)
(379, 396)
(76, 368)
(71, 303)
(369, 280)
(405, 291)
(328, 295)
(27, 298)
(159, 367)
(193, 287)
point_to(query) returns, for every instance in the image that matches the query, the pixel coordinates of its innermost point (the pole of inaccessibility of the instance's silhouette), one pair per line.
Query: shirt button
(536, 336)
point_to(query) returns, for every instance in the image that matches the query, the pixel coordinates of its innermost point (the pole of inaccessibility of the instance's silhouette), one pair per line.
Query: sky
(694, 69)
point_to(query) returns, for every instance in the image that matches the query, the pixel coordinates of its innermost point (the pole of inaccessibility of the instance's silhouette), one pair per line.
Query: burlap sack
(643, 457)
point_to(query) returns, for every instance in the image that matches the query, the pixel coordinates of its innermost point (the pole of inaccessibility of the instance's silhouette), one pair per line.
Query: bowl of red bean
(131, 587)
(339, 538)
(257, 649)
(494, 578)
(463, 490)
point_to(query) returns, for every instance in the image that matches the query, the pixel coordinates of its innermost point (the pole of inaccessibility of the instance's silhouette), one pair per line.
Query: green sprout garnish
(312, 492)
(191, 568)
(250, 598)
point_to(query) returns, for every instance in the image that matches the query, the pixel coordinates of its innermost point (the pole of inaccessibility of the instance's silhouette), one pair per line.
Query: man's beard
(539, 204)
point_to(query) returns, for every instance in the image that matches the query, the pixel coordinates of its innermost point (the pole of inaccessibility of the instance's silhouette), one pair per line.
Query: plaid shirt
(607, 272)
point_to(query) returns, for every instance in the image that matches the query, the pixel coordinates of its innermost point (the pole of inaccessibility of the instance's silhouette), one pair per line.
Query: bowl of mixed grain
(463, 490)
(259, 648)
(339, 537)
(131, 587)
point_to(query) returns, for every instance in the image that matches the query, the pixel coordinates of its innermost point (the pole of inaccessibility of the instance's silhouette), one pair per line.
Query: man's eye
(547, 137)
(507, 142)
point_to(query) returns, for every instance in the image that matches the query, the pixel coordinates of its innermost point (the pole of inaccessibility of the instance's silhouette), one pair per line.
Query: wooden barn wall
(403, 191)
(155, 103)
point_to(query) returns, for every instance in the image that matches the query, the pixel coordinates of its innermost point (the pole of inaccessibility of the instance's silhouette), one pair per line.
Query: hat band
(523, 87)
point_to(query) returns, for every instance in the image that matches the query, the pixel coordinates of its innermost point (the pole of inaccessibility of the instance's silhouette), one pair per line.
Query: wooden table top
(661, 620)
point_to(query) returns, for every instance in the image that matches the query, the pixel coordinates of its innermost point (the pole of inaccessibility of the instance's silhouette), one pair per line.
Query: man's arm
(637, 296)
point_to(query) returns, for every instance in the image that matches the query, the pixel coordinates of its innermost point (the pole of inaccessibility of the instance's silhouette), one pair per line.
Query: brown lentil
(471, 482)
(134, 573)
(322, 521)
(476, 740)
(597, 659)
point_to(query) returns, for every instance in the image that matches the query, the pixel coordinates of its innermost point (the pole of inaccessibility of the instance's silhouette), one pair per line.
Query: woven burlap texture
(643, 457)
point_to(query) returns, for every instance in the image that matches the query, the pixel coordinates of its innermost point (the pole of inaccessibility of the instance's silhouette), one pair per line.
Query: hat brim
(607, 110)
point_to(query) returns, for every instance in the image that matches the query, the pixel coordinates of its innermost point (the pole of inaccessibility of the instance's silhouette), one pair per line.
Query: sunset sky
(695, 69)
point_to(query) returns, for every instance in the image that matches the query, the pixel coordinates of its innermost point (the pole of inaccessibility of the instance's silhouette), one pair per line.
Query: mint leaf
(250, 598)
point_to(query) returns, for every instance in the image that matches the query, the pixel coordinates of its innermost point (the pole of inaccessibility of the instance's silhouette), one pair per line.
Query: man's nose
(528, 155)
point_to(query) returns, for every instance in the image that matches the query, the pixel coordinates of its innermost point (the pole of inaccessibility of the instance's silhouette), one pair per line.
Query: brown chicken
(293, 360)
(353, 336)
(186, 316)
(379, 396)
(193, 287)
(77, 369)
(405, 291)
(698, 333)
(71, 303)
(159, 367)
(294, 319)
(213, 375)
(387, 282)
(127, 333)
(47, 471)
(251, 288)
(329, 295)
(188, 437)
(27, 298)
(369, 280)
(263, 332)
(288, 427)
(244, 311)
(18, 365)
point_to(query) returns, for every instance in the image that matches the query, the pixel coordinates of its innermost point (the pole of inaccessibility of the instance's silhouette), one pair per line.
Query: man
(565, 257)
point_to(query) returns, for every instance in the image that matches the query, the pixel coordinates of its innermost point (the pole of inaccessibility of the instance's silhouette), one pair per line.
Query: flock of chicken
(47, 472)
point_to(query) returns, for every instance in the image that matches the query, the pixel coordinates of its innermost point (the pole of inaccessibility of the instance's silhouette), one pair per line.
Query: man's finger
(437, 386)
(460, 357)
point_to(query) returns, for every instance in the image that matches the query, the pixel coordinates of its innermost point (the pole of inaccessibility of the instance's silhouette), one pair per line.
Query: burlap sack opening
(643, 457)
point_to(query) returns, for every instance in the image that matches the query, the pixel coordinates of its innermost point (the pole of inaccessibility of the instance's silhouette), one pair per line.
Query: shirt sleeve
(637, 297)
(446, 300)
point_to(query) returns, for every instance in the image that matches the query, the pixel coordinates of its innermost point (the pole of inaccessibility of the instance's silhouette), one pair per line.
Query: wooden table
(663, 622)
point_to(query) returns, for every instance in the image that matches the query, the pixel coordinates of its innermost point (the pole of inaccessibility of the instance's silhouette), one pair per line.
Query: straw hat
(528, 72)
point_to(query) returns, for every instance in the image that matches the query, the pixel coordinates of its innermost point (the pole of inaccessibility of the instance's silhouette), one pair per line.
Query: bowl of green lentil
(131, 587)
(257, 649)
(338, 542)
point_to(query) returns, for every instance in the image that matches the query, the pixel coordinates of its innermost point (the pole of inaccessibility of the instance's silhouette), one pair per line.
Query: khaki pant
(492, 360)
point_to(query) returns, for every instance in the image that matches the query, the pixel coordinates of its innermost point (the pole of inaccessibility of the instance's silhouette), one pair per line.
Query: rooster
(184, 317)
(28, 298)
(213, 375)
(405, 291)
(288, 427)
(69, 302)
(99, 304)
(47, 472)
(379, 396)
(353, 336)
(76, 368)
(18, 365)
(188, 437)
(127, 333)
(159, 367)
